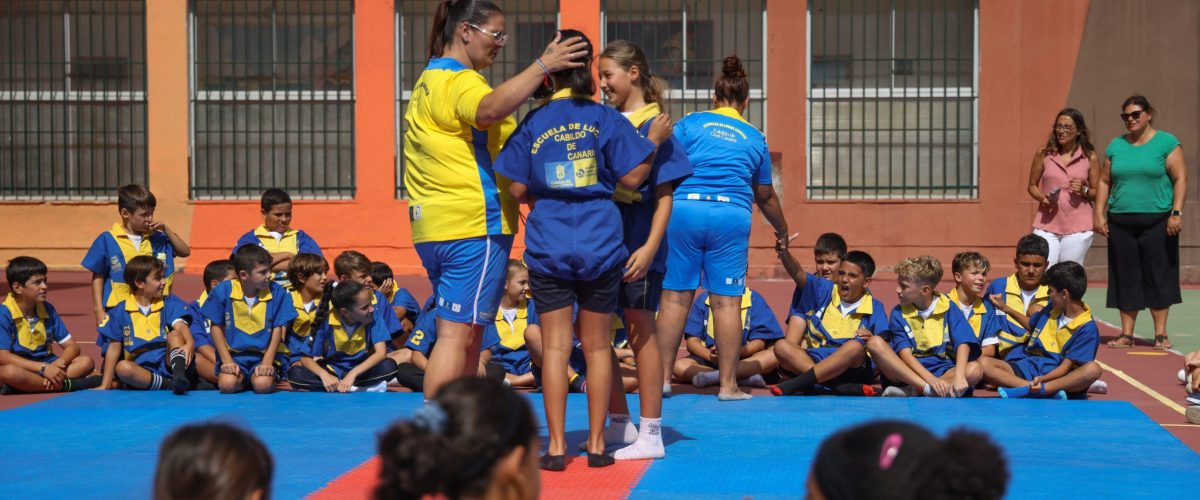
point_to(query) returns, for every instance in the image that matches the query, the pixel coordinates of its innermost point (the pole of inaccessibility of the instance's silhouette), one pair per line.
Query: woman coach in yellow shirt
(463, 219)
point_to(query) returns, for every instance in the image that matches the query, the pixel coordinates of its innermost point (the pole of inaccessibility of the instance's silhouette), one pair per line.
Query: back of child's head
(21, 269)
(381, 272)
(303, 266)
(895, 459)
(133, 196)
(139, 268)
(923, 270)
(249, 256)
(272, 197)
(580, 79)
(451, 446)
(216, 270)
(1067, 275)
(212, 460)
(830, 243)
(1032, 244)
(346, 263)
(863, 260)
(965, 261)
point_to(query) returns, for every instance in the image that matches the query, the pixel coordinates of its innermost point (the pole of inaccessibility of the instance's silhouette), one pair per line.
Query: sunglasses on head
(1136, 115)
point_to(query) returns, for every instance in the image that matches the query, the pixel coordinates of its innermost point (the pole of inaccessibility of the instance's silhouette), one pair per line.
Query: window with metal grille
(272, 98)
(686, 42)
(893, 90)
(530, 25)
(72, 98)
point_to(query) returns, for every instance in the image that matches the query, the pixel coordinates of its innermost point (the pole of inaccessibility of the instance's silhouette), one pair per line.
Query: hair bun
(732, 67)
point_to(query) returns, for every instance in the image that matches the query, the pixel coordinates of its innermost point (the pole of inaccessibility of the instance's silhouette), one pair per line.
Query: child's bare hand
(231, 369)
(661, 129)
(100, 315)
(330, 382)
(960, 385)
(997, 299)
(347, 383)
(941, 388)
(863, 333)
(264, 370)
(54, 374)
(157, 225)
(637, 265)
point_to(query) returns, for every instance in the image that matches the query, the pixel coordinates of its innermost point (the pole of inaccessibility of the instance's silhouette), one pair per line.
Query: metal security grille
(686, 42)
(272, 98)
(530, 25)
(72, 98)
(892, 99)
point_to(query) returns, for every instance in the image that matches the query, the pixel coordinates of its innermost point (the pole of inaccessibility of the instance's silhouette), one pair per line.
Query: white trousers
(1064, 247)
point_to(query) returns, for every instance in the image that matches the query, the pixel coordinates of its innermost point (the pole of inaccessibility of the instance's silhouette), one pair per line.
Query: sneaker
(1061, 394)
(1193, 414)
(1193, 399)
(1182, 375)
(1098, 387)
(897, 392)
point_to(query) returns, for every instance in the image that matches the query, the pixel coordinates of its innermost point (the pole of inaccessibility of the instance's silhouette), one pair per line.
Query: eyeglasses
(499, 37)
(1064, 128)
(1136, 115)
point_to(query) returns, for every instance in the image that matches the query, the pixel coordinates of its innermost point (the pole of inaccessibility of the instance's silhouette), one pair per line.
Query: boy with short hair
(137, 234)
(828, 326)
(354, 266)
(411, 374)
(277, 236)
(403, 302)
(828, 252)
(970, 277)
(1021, 294)
(308, 273)
(29, 326)
(1059, 356)
(215, 272)
(929, 345)
(760, 329)
(147, 337)
(249, 319)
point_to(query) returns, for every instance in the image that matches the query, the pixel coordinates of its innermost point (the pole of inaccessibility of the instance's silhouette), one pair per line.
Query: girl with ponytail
(627, 82)
(454, 126)
(475, 439)
(709, 228)
(348, 349)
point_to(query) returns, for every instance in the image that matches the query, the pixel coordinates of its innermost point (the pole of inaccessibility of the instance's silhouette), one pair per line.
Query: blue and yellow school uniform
(344, 346)
(710, 219)
(143, 335)
(424, 335)
(1012, 334)
(934, 341)
(293, 241)
(248, 327)
(299, 333)
(572, 153)
(758, 321)
(1050, 344)
(200, 326)
(637, 206)
(510, 350)
(463, 217)
(30, 338)
(826, 327)
(400, 297)
(985, 323)
(113, 248)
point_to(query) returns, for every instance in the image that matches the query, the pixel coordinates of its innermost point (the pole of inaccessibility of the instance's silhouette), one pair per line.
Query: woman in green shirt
(1138, 207)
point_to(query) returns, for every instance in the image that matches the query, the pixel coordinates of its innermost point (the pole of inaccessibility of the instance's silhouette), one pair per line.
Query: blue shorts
(936, 365)
(1030, 367)
(467, 276)
(248, 361)
(709, 238)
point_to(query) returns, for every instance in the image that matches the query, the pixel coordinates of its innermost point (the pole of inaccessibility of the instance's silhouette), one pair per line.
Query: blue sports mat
(104, 444)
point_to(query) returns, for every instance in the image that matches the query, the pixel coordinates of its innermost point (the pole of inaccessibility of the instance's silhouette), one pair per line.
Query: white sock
(380, 387)
(755, 380)
(619, 431)
(648, 444)
(737, 396)
(666, 388)
(705, 379)
(1098, 387)
(928, 392)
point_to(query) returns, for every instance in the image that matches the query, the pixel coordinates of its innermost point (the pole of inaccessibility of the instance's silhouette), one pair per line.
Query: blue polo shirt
(819, 304)
(293, 241)
(572, 153)
(142, 334)
(728, 155)
(424, 334)
(113, 248)
(344, 346)
(1077, 340)
(30, 338)
(758, 321)
(937, 336)
(248, 327)
(201, 327)
(510, 350)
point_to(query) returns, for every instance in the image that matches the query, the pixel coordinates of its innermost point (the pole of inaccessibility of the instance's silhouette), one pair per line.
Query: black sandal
(1114, 343)
(1162, 343)
(553, 463)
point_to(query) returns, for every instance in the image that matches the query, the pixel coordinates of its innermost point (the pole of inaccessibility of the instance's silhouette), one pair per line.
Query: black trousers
(1143, 262)
(303, 379)
(411, 377)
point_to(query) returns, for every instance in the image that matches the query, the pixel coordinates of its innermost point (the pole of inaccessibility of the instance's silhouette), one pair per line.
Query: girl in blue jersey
(348, 352)
(463, 220)
(626, 80)
(709, 231)
(565, 159)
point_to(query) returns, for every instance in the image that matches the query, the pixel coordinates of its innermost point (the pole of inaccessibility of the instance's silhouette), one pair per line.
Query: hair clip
(430, 417)
(891, 448)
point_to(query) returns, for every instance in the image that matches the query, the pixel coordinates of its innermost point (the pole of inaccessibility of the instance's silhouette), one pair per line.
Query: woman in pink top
(1061, 180)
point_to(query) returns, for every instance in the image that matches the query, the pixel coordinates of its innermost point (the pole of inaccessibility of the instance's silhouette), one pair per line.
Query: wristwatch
(42, 372)
(1176, 213)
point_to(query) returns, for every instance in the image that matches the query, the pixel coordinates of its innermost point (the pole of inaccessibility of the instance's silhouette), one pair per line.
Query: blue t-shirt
(114, 248)
(818, 304)
(30, 338)
(424, 334)
(728, 155)
(143, 335)
(572, 153)
(1077, 340)
(201, 327)
(637, 206)
(938, 335)
(344, 346)
(510, 350)
(758, 321)
(248, 327)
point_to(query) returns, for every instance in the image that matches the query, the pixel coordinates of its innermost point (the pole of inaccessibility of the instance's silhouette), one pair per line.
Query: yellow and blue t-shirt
(113, 248)
(728, 156)
(935, 339)
(400, 297)
(510, 350)
(1012, 333)
(343, 346)
(637, 206)
(201, 327)
(1051, 344)
(143, 333)
(826, 326)
(293, 241)
(248, 327)
(758, 321)
(299, 333)
(572, 152)
(985, 320)
(453, 191)
(30, 338)
(424, 334)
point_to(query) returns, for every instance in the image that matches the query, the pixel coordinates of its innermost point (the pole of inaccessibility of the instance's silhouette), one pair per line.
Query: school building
(908, 126)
